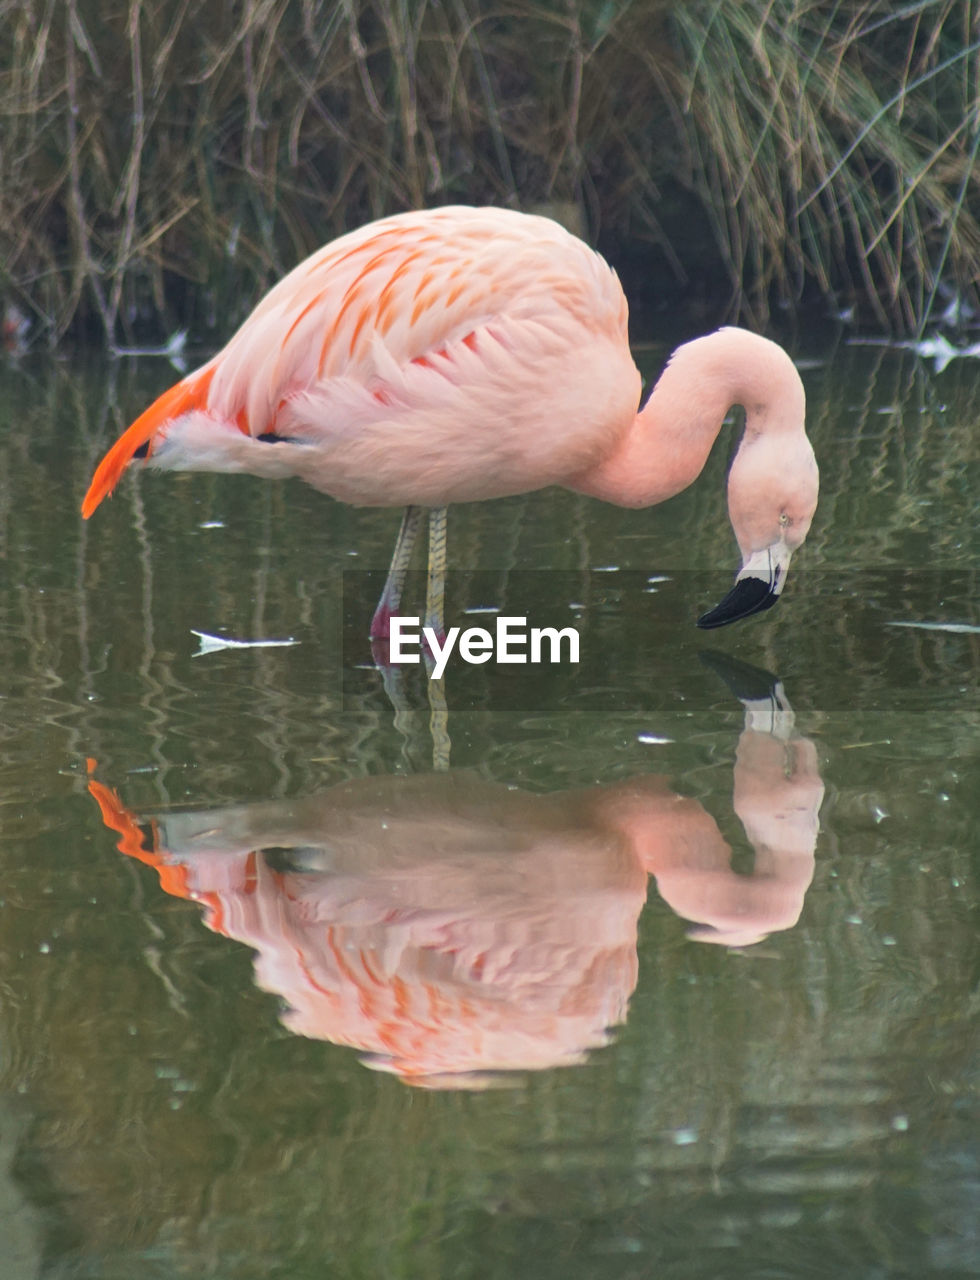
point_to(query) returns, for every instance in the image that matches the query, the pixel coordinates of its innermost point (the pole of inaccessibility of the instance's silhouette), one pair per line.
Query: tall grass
(161, 162)
(837, 143)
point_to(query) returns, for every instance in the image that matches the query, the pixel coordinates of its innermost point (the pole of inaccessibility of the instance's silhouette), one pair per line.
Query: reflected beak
(757, 587)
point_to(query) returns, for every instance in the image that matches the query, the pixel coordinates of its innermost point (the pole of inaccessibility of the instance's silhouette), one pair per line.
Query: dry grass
(162, 162)
(838, 143)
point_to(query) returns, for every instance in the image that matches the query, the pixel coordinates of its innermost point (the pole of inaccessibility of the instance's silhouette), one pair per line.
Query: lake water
(673, 973)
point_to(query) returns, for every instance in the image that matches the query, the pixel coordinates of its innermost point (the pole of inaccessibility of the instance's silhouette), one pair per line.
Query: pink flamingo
(459, 354)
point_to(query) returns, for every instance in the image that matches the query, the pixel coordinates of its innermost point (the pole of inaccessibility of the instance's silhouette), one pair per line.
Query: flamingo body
(459, 354)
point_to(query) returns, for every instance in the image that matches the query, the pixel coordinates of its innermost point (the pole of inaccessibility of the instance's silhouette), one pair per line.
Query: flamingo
(461, 354)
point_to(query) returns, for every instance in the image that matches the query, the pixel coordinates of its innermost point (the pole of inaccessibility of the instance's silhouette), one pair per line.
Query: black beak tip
(747, 682)
(748, 596)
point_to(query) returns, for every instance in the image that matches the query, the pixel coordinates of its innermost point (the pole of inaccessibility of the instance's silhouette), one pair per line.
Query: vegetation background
(162, 162)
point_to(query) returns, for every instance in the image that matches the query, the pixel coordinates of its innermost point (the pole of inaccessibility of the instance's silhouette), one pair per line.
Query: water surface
(301, 1006)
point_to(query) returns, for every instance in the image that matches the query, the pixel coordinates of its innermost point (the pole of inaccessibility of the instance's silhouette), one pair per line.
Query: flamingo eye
(783, 519)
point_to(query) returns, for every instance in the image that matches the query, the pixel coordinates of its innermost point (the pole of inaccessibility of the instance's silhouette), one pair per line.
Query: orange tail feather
(115, 815)
(191, 393)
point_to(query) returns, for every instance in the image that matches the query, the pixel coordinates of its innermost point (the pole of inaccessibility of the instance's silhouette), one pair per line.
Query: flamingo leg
(435, 583)
(388, 606)
(391, 596)
(435, 598)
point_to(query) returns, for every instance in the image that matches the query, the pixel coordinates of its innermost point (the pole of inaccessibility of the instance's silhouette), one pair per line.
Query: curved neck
(669, 441)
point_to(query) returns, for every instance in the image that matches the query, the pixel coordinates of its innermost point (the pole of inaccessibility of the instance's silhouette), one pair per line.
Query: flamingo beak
(757, 587)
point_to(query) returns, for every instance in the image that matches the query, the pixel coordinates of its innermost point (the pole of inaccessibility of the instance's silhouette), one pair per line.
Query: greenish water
(276, 1050)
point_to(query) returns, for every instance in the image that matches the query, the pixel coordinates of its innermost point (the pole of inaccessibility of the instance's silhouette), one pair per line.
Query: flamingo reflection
(450, 927)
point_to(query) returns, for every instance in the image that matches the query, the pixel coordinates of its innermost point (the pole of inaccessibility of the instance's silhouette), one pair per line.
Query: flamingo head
(772, 495)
